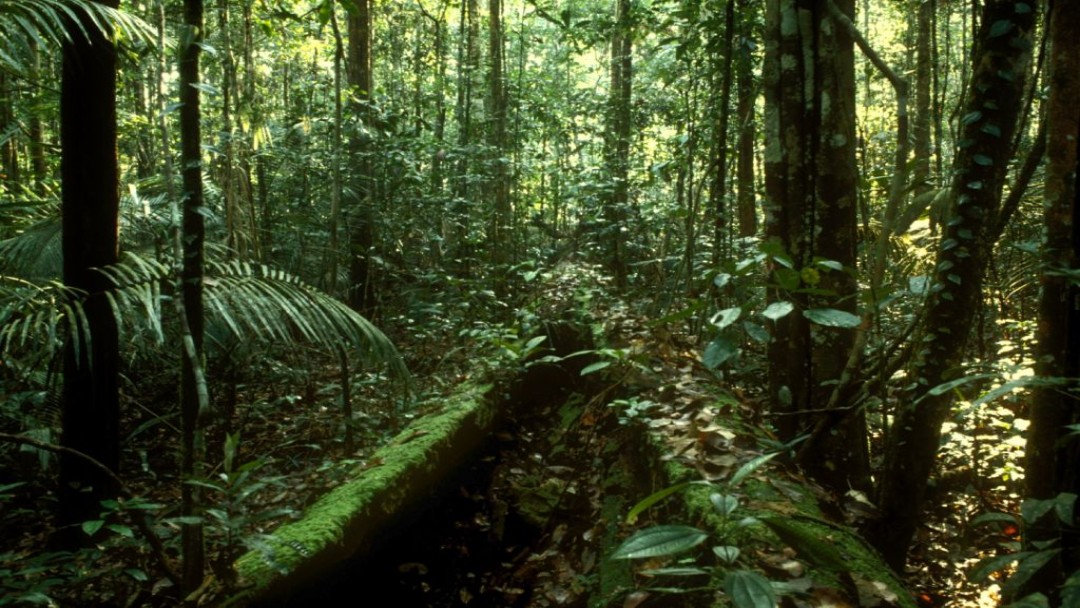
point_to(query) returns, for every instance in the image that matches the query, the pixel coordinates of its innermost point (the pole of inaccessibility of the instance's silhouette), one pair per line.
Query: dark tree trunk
(192, 384)
(718, 186)
(1053, 455)
(90, 206)
(498, 176)
(1000, 66)
(362, 216)
(747, 132)
(617, 142)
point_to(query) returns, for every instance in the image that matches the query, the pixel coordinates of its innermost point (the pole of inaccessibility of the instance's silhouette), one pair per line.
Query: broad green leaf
(1033, 509)
(777, 310)
(982, 571)
(983, 160)
(719, 351)
(953, 384)
(721, 280)
(1065, 505)
(728, 554)
(726, 317)
(122, 530)
(831, 317)
(1035, 600)
(534, 342)
(971, 117)
(747, 469)
(1026, 569)
(91, 527)
(660, 540)
(1001, 27)
(756, 332)
(724, 503)
(749, 590)
(137, 574)
(594, 367)
(1070, 591)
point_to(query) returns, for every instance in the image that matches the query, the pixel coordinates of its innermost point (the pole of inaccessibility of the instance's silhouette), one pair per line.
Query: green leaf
(777, 310)
(953, 384)
(91, 527)
(983, 160)
(1022, 8)
(1027, 568)
(594, 367)
(831, 317)
(660, 540)
(992, 130)
(971, 117)
(749, 590)
(721, 280)
(1065, 506)
(727, 554)
(1033, 509)
(756, 332)
(719, 351)
(1001, 27)
(137, 574)
(787, 278)
(674, 572)
(122, 530)
(654, 498)
(724, 503)
(987, 518)
(1035, 600)
(726, 317)
(752, 465)
(1070, 591)
(982, 571)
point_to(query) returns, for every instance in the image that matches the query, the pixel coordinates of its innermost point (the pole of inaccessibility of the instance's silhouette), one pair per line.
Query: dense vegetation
(861, 215)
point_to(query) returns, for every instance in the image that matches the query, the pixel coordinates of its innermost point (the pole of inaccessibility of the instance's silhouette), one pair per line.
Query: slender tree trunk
(9, 155)
(1000, 67)
(617, 139)
(924, 73)
(718, 186)
(498, 185)
(362, 220)
(37, 137)
(1052, 464)
(90, 202)
(334, 227)
(747, 208)
(193, 398)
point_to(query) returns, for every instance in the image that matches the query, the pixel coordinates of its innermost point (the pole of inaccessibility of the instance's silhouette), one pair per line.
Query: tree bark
(747, 207)
(362, 217)
(810, 184)
(617, 139)
(90, 202)
(1052, 464)
(193, 399)
(1000, 63)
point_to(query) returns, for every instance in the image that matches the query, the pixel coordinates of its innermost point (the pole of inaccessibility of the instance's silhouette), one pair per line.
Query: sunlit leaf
(982, 571)
(654, 498)
(726, 317)
(594, 367)
(777, 310)
(724, 503)
(1027, 568)
(727, 554)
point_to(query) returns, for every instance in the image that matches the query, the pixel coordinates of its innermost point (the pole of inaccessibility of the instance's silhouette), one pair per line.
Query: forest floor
(291, 450)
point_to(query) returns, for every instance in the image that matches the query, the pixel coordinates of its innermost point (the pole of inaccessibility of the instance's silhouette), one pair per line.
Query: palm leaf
(24, 23)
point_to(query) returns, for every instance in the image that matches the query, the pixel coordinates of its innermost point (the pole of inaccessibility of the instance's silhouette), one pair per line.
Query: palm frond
(36, 317)
(55, 22)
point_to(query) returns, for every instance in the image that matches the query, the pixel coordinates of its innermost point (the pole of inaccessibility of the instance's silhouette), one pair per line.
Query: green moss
(346, 518)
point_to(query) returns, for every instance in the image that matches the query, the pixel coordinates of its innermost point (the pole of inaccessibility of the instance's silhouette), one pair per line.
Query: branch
(142, 523)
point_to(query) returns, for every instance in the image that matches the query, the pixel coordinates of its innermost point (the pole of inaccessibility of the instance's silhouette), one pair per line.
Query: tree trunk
(617, 139)
(999, 69)
(718, 186)
(362, 220)
(498, 184)
(747, 207)
(810, 179)
(1052, 465)
(90, 206)
(193, 399)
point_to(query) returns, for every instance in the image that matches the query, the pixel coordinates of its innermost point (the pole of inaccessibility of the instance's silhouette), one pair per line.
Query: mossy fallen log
(351, 518)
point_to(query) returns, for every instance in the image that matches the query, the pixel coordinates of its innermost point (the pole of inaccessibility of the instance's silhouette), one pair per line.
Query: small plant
(1060, 510)
(746, 588)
